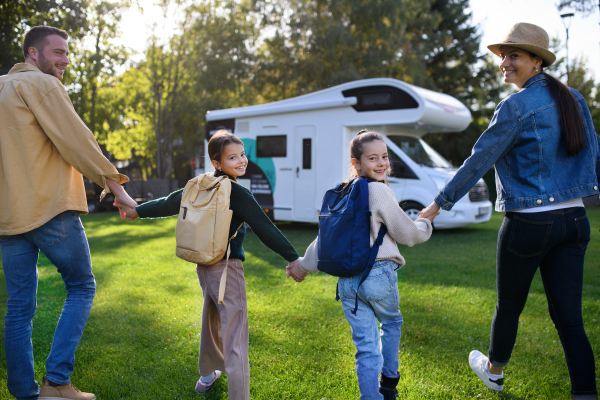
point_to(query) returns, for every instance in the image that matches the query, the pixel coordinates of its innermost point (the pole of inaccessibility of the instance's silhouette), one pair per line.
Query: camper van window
(399, 169)
(306, 153)
(374, 98)
(420, 152)
(271, 146)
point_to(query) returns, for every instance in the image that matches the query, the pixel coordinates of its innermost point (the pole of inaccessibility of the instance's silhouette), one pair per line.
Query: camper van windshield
(420, 152)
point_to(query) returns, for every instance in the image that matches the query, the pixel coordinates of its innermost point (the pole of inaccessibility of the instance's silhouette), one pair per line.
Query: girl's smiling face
(374, 162)
(518, 65)
(233, 160)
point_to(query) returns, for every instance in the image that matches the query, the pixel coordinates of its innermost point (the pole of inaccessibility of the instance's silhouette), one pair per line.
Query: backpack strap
(224, 276)
(370, 262)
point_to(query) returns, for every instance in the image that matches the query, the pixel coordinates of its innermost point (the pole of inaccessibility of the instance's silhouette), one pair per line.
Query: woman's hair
(357, 146)
(218, 141)
(570, 118)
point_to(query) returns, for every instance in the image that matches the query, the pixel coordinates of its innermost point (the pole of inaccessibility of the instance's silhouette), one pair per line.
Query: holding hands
(122, 199)
(293, 270)
(126, 212)
(432, 211)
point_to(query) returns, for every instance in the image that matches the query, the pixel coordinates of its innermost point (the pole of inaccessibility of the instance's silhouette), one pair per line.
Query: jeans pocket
(583, 231)
(528, 238)
(345, 288)
(376, 288)
(52, 231)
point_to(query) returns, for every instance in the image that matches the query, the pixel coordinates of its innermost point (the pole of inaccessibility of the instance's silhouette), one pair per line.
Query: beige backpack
(202, 232)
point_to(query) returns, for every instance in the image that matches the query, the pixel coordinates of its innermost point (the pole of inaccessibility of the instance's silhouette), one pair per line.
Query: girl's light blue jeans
(63, 241)
(378, 300)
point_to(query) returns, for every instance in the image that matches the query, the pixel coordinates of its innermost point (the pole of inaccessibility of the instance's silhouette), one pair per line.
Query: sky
(494, 17)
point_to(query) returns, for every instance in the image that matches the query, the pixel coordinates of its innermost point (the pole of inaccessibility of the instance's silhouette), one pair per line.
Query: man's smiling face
(54, 58)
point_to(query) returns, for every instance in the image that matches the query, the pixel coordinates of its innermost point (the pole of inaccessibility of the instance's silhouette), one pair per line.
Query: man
(44, 149)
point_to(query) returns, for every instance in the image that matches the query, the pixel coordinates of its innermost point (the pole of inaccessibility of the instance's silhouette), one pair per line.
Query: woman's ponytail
(570, 118)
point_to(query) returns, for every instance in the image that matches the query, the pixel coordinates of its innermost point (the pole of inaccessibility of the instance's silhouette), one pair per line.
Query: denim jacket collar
(533, 80)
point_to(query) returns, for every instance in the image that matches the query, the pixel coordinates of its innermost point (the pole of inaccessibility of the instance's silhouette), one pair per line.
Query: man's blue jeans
(378, 300)
(63, 241)
(555, 242)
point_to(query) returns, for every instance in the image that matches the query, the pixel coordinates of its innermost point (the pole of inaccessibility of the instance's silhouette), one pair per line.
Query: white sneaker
(479, 364)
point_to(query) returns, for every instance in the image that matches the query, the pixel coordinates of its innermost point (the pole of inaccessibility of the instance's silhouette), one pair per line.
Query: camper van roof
(426, 110)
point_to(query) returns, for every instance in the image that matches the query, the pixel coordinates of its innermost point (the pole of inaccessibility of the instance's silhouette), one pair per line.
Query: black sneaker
(387, 387)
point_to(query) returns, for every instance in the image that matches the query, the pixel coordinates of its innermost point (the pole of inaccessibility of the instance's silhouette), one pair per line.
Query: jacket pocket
(583, 231)
(528, 238)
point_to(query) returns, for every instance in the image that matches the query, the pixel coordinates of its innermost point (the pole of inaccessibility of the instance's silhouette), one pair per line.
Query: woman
(546, 155)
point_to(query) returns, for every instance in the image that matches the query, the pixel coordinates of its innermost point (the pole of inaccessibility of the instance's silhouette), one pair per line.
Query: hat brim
(547, 56)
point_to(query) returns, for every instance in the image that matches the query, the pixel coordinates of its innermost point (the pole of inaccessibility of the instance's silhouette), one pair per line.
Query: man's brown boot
(64, 392)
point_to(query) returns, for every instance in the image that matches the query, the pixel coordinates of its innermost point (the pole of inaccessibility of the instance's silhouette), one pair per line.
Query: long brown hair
(570, 118)
(357, 147)
(218, 141)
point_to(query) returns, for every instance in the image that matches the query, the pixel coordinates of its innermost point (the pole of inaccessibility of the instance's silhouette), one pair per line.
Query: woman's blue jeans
(555, 241)
(378, 300)
(63, 241)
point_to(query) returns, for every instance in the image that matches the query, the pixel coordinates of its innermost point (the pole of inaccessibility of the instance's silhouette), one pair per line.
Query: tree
(321, 43)
(124, 113)
(583, 6)
(95, 58)
(16, 17)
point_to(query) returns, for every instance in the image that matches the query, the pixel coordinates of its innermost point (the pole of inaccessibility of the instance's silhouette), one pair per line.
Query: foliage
(141, 340)
(583, 6)
(234, 53)
(93, 65)
(318, 43)
(16, 17)
(126, 124)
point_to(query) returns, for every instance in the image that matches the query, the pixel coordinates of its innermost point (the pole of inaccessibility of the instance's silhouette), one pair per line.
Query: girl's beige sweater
(401, 229)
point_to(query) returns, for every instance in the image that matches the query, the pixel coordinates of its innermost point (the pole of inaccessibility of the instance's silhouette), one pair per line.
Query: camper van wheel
(412, 208)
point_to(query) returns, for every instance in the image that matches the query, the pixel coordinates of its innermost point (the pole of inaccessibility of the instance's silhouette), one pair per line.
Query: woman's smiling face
(518, 65)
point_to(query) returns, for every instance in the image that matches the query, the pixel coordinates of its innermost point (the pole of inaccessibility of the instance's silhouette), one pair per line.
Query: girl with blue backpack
(377, 298)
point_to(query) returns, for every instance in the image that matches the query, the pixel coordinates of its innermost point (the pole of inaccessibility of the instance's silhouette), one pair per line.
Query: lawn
(141, 341)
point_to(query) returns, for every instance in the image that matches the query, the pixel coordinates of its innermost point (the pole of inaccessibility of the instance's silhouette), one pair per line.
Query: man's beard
(47, 67)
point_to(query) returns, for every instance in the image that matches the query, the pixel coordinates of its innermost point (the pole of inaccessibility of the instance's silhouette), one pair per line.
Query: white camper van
(299, 148)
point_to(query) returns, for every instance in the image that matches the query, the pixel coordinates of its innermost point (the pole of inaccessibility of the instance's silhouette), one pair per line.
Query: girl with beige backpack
(212, 210)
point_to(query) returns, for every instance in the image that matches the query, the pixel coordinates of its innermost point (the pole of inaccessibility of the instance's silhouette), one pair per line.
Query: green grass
(141, 341)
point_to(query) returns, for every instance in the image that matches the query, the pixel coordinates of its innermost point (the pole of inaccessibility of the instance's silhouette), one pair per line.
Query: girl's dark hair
(357, 146)
(218, 141)
(570, 118)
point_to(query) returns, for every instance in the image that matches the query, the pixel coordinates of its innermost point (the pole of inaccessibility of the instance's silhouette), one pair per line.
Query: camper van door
(305, 175)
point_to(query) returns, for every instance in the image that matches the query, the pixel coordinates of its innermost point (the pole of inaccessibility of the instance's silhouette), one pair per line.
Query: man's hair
(36, 37)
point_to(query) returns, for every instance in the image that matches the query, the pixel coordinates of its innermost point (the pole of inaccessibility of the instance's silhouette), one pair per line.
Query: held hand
(430, 212)
(121, 197)
(293, 270)
(128, 212)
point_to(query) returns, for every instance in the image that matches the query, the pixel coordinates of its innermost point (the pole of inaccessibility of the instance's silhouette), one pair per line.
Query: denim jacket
(524, 142)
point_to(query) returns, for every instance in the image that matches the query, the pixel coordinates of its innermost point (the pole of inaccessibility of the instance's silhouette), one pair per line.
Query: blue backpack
(345, 233)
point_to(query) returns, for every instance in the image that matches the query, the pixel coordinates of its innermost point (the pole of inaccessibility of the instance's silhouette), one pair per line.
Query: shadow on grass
(141, 341)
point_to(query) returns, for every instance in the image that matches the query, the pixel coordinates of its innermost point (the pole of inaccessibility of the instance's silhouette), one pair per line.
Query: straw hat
(527, 37)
